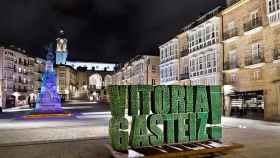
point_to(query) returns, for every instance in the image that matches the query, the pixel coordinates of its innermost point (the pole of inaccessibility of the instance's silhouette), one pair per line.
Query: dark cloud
(98, 30)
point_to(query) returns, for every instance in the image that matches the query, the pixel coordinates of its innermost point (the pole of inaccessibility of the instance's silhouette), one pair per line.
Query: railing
(254, 59)
(230, 65)
(8, 78)
(231, 33)
(169, 58)
(9, 67)
(252, 24)
(184, 76)
(20, 90)
(169, 79)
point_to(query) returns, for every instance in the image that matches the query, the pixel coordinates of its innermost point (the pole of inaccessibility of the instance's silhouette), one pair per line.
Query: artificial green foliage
(201, 104)
(118, 95)
(202, 118)
(178, 99)
(192, 126)
(118, 127)
(183, 128)
(140, 99)
(215, 105)
(153, 122)
(170, 131)
(162, 100)
(189, 99)
(215, 132)
(139, 134)
(183, 111)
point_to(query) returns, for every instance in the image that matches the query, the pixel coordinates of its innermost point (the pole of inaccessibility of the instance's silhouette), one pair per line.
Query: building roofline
(61, 65)
(73, 61)
(210, 14)
(234, 5)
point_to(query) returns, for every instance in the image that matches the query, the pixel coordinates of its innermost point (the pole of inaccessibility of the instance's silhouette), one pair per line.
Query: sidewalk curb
(4, 145)
(16, 108)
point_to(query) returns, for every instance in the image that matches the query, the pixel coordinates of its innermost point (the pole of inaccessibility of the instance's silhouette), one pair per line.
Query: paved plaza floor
(86, 135)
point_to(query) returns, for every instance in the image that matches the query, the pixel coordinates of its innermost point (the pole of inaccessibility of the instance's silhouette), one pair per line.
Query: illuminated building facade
(205, 49)
(140, 70)
(251, 58)
(169, 62)
(16, 77)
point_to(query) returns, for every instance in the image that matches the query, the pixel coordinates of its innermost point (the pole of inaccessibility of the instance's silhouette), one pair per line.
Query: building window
(230, 25)
(154, 68)
(256, 50)
(153, 82)
(233, 77)
(254, 16)
(273, 10)
(201, 37)
(232, 56)
(273, 5)
(257, 74)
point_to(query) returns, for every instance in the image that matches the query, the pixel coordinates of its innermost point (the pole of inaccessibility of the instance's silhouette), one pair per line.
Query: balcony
(231, 65)
(23, 90)
(9, 67)
(253, 24)
(184, 76)
(231, 33)
(169, 58)
(254, 59)
(168, 79)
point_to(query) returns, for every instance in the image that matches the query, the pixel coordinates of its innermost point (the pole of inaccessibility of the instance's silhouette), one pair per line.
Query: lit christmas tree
(48, 100)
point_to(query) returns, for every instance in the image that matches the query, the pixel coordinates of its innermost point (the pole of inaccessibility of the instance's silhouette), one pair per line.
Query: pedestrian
(29, 102)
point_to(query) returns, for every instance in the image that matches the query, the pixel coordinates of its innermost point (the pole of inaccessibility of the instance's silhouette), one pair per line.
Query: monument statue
(48, 100)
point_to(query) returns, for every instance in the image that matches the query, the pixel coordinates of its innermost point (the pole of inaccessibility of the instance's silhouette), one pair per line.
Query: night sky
(97, 30)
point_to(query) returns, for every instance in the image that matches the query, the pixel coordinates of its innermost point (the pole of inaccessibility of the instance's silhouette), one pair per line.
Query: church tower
(61, 49)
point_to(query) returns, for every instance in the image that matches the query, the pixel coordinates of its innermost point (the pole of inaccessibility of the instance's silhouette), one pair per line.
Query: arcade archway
(107, 80)
(95, 87)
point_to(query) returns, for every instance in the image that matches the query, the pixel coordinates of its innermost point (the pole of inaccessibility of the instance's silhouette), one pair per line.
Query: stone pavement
(88, 148)
(85, 136)
(261, 139)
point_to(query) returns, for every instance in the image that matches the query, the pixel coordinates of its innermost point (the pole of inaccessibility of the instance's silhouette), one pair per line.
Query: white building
(15, 75)
(273, 11)
(205, 49)
(140, 70)
(169, 62)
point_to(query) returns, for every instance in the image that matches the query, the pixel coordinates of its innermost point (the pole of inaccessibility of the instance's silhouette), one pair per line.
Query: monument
(48, 100)
(48, 103)
(163, 115)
